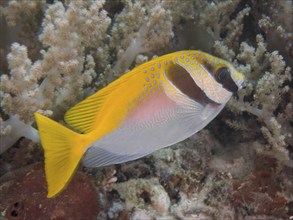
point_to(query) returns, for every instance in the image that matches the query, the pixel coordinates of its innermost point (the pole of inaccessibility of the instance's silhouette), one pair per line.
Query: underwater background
(55, 53)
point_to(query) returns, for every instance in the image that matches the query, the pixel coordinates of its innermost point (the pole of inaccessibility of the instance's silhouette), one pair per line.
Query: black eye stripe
(223, 77)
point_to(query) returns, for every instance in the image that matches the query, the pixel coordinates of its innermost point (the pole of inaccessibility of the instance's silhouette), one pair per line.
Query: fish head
(216, 78)
(224, 73)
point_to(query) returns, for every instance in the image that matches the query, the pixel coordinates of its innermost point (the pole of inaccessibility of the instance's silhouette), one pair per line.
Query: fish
(155, 105)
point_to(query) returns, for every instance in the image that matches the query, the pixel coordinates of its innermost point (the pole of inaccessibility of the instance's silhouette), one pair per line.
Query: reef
(24, 196)
(54, 54)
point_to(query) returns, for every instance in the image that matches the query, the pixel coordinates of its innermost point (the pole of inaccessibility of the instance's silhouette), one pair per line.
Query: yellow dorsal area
(105, 110)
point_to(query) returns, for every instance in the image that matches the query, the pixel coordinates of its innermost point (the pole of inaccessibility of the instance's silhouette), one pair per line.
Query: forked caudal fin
(63, 150)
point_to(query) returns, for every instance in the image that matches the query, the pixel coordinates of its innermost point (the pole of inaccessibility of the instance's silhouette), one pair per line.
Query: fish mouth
(238, 79)
(239, 83)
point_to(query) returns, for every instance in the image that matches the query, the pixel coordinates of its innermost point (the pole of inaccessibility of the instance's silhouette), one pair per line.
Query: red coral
(24, 196)
(260, 192)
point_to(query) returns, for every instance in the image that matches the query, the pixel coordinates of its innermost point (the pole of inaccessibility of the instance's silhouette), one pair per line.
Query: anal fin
(96, 157)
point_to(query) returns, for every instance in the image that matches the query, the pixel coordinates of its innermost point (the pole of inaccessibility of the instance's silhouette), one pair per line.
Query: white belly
(139, 137)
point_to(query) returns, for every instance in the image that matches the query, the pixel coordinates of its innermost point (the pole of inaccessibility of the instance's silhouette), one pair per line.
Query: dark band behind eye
(184, 82)
(223, 76)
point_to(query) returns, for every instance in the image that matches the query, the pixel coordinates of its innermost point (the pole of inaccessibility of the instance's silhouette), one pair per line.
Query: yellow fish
(155, 105)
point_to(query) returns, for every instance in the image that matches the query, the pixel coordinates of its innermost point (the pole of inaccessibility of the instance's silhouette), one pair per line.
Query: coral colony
(53, 55)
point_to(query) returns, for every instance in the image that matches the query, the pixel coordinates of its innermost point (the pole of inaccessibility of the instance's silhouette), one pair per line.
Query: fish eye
(222, 74)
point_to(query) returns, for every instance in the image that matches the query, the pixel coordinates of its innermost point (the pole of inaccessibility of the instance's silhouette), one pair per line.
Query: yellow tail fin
(63, 150)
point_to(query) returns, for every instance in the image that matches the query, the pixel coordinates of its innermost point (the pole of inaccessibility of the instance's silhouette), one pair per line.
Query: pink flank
(150, 106)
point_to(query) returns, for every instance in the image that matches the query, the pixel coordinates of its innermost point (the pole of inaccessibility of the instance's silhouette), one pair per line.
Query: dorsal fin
(85, 115)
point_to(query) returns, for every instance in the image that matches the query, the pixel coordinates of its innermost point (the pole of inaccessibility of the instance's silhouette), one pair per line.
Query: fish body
(155, 105)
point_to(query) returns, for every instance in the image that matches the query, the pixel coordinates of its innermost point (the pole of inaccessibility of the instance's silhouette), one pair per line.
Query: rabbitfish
(155, 105)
